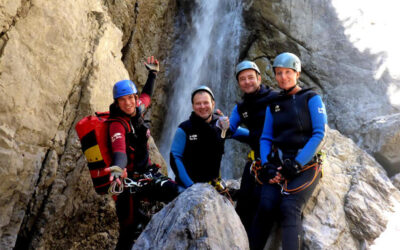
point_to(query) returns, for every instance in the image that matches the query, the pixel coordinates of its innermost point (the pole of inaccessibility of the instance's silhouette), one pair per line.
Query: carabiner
(283, 192)
(115, 188)
(131, 183)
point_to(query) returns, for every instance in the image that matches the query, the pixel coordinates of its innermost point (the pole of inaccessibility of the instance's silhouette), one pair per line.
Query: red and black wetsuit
(130, 150)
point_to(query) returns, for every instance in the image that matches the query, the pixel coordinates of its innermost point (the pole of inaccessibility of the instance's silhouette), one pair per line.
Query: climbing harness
(315, 166)
(290, 187)
(251, 155)
(116, 188)
(254, 168)
(317, 169)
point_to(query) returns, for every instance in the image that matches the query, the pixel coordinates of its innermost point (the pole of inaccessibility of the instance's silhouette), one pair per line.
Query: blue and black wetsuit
(251, 113)
(295, 125)
(197, 150)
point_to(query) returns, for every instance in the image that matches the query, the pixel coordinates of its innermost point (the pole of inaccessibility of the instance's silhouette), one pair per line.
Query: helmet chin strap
(205, 119)
(287, 91)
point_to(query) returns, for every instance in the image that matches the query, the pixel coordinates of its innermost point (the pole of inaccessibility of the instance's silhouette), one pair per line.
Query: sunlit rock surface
(199, 218)
(59, 61)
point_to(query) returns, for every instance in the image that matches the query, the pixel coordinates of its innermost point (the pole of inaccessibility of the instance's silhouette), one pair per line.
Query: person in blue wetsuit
(198, 144)
(294, 129)
(250, 112)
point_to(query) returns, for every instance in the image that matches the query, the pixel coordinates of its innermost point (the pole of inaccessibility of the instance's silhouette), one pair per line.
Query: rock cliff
(58, 63)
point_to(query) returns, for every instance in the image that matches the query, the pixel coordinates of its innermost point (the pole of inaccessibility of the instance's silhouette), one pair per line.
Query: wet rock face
(396, 181)
(199, 218)
(59, 62)
(44, 70)
(381, 138)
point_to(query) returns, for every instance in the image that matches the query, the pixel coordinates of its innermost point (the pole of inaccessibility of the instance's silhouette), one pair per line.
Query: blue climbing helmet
(203, 88)
(287, 60)
(246, 65)
(124, 87)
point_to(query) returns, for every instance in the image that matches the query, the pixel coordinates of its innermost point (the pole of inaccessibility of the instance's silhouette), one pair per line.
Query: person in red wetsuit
(131, 155)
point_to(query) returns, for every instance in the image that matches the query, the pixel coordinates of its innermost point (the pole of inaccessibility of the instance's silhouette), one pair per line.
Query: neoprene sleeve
(177, 149)
(150, 83)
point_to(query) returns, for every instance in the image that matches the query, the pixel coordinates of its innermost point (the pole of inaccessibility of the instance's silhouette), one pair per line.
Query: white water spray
(206, 54)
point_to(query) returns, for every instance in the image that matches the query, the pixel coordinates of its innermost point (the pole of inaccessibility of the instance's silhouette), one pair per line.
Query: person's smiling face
(203, 105)
(286, 77)
(249, 81)
(127, 104)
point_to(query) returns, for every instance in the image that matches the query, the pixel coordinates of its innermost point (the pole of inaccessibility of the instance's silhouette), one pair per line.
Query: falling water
(205, 53)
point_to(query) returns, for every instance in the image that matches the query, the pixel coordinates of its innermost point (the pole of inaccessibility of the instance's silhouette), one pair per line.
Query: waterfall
(205, 53)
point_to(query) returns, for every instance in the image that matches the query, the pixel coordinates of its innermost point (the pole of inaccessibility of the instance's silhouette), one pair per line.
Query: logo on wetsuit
(193, 137)
(116, 136)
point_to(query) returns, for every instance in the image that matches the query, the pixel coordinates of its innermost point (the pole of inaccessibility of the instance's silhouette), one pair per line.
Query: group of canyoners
(284, 129)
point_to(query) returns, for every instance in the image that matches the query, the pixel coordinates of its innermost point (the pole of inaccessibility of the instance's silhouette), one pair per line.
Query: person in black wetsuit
(251, 113)
(293, 131)
(198, 144)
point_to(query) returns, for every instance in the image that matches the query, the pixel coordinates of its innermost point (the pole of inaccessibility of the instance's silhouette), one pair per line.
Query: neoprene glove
(267, 172)
(117, 172)
(290, 169)
(152, 64)
(223, 122)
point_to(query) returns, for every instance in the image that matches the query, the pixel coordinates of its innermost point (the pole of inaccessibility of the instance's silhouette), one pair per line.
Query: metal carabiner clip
(283, 192)
(131, 183)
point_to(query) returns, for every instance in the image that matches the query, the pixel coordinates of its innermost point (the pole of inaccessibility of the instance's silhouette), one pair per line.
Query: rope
(317, 167)
(115, 188)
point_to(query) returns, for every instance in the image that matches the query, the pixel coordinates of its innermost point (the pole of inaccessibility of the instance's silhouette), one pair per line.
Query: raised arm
(152, 65)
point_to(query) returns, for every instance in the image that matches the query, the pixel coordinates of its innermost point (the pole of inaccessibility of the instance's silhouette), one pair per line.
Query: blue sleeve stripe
(234, 120)
(266, 136)
(177, 149)
(318, 120)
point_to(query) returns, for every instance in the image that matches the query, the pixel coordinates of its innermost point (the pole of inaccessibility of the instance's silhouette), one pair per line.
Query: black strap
(285, 92)
(122, 121)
